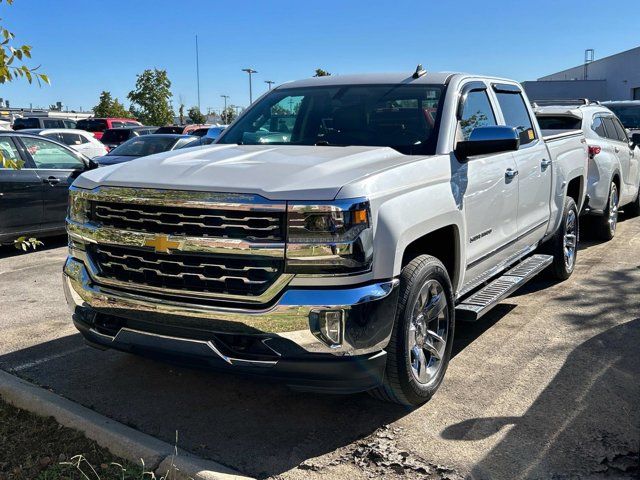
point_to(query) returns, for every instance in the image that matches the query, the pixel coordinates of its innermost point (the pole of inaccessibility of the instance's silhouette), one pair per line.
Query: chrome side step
(474, 307)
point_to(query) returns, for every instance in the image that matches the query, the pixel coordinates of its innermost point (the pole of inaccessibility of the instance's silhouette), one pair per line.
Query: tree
(196, 116)
(152, 97)
(109, 107)
(321, 73)
(181, 114)
(228, 115)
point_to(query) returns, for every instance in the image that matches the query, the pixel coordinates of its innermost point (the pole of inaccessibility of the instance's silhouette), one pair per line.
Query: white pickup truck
(332, 235)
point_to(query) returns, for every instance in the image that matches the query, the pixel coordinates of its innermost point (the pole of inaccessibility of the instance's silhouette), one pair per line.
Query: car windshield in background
(170, 129)
(629, 115)
(92, 125)
(559, 122)
(116, 136)
(404, 117)
(143, 146)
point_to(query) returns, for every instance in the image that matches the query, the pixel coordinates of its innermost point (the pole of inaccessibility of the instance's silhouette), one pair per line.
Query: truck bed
(554, 135)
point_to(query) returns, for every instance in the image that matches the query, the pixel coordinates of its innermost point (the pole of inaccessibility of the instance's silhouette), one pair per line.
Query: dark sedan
(33, 199)
(113, 137)
(146, 145)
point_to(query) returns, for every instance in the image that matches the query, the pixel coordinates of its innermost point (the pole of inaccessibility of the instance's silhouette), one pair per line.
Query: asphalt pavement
(545, 386)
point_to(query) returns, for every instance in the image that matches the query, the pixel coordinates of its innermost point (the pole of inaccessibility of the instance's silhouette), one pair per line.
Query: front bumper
(277, 341)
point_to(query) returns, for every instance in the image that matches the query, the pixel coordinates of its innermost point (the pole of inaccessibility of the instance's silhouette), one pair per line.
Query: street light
(269, 82)
(250, 71)
(225, 101)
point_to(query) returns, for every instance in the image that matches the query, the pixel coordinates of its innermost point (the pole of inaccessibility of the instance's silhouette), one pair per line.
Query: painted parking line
(48, 358)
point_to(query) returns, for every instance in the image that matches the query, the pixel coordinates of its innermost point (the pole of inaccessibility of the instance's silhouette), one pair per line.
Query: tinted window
(116, 124)
(598, 127)
(71, 138)
(69, 123)
(145, 145)
(516, 115)
(49, 155)
(132, 124)
(403, 117)
(559, 122)
(622, 135)
(610, 128)
(49, 123)
(199, 132)
(476, 112)
(92, 125)
(55, 136)
(21, 123)
(170, 129)
(116, 136)
(629, 115)
(8, 150)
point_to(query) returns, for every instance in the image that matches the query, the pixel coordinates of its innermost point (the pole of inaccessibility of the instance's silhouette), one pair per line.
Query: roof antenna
(420, 71)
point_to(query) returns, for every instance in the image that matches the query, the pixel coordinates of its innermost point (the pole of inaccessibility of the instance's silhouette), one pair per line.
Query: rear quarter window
(559, 122)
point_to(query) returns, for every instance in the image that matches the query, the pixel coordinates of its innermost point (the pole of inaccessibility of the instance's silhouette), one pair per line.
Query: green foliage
(196, 116)
(321, 73)
(24, 243)
(109, 107)
(228, 115)
(151, 97)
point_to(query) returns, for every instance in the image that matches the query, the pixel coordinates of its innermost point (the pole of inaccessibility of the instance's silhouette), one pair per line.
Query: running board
(474, 307)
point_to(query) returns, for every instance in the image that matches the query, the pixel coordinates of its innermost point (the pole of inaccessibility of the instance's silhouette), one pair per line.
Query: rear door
(628, 163)
(21, 202)
(57, 167)
(533, 165)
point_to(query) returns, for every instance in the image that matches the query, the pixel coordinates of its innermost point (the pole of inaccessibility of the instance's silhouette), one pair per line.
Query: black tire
(422, 275)
(633, 209)
(605, 225)
(561, 268)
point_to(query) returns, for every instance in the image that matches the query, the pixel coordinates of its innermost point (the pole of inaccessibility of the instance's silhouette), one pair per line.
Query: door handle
(510, 173)
(545, 163)
(616, 149)
(51, 180)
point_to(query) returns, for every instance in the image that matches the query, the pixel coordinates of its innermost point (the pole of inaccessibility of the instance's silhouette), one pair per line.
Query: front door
(57, 168)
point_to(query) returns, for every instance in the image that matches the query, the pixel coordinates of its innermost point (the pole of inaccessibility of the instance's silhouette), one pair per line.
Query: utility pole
(225, 101)
(269, 82)
(198, 72)
(250, 71)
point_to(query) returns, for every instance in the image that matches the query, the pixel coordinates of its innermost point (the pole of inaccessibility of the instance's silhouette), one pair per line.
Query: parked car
(113, 137)
(33, 200)
(336, 256)
(628, 111)
(43, 122)
(146, 145)
(208, 134)
(175, 129)
(614, 161)
(97, 126)
(79, 140)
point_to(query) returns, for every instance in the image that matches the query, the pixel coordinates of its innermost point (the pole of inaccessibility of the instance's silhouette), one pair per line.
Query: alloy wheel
(613, 209)
(570, 240)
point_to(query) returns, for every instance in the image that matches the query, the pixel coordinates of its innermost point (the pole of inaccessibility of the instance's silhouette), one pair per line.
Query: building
(616, 77)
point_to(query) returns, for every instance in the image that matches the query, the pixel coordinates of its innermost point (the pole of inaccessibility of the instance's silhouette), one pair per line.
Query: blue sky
(86, 46)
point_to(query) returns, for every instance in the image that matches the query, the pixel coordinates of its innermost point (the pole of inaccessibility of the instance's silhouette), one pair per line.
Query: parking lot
(545, 385)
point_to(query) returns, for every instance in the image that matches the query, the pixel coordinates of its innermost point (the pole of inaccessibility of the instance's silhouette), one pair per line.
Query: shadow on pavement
(587, 420)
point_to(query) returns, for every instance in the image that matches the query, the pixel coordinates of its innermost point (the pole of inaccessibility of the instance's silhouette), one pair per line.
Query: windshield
(92, 125)
(559, 122)
(404, 117)
(629, 115)
(116, 136)
(142, 146)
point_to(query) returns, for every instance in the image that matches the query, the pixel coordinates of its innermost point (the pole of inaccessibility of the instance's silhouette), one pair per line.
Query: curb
(119, 439)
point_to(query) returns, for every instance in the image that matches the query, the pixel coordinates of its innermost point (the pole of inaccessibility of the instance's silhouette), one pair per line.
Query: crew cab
(614, 160)
(335, 253)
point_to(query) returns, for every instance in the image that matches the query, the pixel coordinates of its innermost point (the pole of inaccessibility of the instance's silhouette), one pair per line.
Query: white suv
(614, 170)
(79, 140)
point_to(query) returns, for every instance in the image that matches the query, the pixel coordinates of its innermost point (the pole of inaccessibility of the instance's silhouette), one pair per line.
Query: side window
(55, 136)
(598, 127)
(8, 150)
(476, 112)
(622, 134)
(610, 128)
(117, 124)
(71, 138)
(516, 115)
(51, 156)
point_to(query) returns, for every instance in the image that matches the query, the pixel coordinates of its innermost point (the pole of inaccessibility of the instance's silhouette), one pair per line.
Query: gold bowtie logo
(162, 244)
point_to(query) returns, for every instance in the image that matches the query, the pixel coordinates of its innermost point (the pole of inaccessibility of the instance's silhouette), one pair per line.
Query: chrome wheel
(428, 332)
(613, 209)
(570, 240)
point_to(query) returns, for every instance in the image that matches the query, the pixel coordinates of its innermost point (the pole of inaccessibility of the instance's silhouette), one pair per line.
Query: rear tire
(563, 246)
(633, 209)
(420, 347)
(605, 225)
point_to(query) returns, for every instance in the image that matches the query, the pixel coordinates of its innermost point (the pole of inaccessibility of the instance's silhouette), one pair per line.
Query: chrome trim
(288, 318)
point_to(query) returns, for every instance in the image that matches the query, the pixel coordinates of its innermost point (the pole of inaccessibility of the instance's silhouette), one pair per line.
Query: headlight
(330, 238)
(78, 206)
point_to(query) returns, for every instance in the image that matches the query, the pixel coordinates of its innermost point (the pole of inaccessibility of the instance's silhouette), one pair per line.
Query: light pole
(250, 71)
(225, 101)
(198, 72)
(269, 82)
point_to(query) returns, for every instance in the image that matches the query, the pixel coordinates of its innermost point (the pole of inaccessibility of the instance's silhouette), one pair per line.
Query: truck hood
(274, 172)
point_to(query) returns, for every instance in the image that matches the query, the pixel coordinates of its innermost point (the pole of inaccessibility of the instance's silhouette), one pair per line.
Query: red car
(97, 126)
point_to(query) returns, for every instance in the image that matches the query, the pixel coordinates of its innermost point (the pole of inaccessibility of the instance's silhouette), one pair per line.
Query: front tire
(563, 246)
(420, 347)
(605, 226)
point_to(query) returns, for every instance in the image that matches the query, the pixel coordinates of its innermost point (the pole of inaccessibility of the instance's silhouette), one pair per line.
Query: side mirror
(635, 140)
(485, 140)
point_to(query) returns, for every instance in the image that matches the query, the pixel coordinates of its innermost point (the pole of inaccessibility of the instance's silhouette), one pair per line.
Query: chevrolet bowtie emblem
(162, 244)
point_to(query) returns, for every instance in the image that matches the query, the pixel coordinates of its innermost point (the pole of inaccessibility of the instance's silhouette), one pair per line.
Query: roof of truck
(432, 78)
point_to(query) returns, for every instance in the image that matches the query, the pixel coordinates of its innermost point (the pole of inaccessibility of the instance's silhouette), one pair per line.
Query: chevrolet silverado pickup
(332, 235)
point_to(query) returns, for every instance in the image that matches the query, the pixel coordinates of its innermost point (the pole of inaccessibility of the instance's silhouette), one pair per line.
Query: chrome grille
(200, 273)
(263, 226)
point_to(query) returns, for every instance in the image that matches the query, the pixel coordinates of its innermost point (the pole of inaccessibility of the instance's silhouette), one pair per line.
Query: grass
(38, 448)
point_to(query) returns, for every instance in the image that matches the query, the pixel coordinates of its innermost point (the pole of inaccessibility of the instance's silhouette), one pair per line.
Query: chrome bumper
(369, 315)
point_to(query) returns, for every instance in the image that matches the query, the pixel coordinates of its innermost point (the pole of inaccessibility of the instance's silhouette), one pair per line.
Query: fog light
(327, 325)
